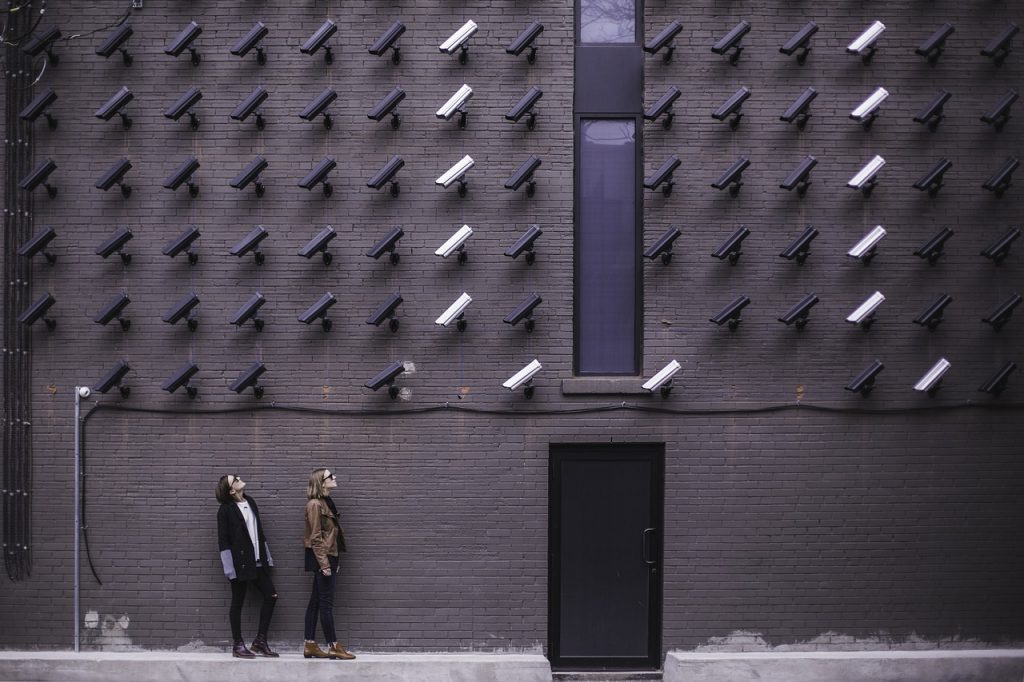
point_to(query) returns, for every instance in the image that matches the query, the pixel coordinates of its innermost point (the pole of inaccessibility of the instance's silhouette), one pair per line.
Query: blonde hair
(316, 490)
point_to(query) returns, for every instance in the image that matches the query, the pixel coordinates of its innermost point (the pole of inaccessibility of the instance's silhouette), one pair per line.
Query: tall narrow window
(607, 262)
(607, 21)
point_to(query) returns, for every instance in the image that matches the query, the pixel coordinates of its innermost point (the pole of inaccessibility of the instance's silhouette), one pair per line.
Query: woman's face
(330, 481)
(237, 485)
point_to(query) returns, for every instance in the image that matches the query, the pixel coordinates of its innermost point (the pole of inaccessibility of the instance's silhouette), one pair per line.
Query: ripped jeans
(238, 590)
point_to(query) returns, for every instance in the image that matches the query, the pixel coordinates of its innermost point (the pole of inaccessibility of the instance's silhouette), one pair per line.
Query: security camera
(1000, 113)
(662, 381)
(798, 110)
(181, 378)
(457, 173)
(864, 44)
(800, 41)
(932, 114)
(251, 40)
(183, 175)
(455, 105)
(249, 311)
(663, 107)
(731, 247)
(38, 176)
(38, 244)
(387, 175)
(999, 46)
(864, 382)
(251, 242)
(663, 176)
(37, 310)
(115, 244)
(457, 41)
(1000, 249)
(386, 311)
(41, 42)
(999, 181)
(800, 178)
(319, 311)
(932, 48)
(867, 111)
(183, 244)
(318, 244)
(526, 105)
(664, 41)
(997, 383)
(525, 175)
(525, 244)
(184, 42)
(524, 378)
(732, 107)
(731, 313)
(115, 311)
(113, 378)
(115, 41)
(663, 246)
(251, 173)
(456, 243)
(319, 175)
(525, 40)
(456, 311)
(865, 249)
(249, 106)
(114, 105)
(84, 391)
(387, 42)
(733, 176)
(931, 382)
(524, 311)
(250, 378)
(387, 106)
(932, 249)
(866, 178)
(798, 315)
(864, 314)
(386, 377)
(115, 176)
(801, 246)
(38, 106)
(184, 105)
(181, 310)
(319, 106)
(731, 41)
(1002, 313)
(931, 182)
(932, 315)
(387, 245)
(319, 40)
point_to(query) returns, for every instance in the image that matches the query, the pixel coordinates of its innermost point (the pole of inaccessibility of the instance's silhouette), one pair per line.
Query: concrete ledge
(985, 665)
(41, 666)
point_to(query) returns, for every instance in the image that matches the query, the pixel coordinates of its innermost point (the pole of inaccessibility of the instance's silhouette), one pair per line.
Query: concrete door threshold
(947, 665)
(154, 666)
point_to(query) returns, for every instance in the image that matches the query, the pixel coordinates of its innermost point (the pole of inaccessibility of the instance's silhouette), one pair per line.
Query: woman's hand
(326, 571)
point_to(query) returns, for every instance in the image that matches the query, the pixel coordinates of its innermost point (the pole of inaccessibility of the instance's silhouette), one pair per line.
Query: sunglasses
(329, 477)
(232, 478)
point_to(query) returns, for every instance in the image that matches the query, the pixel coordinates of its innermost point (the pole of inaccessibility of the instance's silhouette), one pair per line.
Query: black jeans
(238, 590)
(321, 602)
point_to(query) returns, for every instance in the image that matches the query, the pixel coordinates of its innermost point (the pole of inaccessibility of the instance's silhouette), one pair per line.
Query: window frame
(638, 32)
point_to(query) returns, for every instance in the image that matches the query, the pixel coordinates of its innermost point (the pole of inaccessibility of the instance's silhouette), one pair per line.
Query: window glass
(607, 21)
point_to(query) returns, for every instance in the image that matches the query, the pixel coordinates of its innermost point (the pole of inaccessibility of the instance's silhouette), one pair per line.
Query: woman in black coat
(247, 561)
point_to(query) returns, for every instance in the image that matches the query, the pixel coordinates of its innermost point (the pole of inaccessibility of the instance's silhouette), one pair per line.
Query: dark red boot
(239, 651)
(260, 647)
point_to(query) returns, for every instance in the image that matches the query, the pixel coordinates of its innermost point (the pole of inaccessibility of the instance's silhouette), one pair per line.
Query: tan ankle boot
(311, 650)
(337, 651)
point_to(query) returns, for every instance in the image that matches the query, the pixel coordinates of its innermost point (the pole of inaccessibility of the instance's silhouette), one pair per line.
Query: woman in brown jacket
(324, 540)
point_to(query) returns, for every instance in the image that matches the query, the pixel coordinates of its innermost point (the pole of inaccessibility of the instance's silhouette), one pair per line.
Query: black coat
(236, 551)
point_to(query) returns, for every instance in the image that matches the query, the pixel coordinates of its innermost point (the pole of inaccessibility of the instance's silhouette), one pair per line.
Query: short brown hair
(315, 490)
(223, 490)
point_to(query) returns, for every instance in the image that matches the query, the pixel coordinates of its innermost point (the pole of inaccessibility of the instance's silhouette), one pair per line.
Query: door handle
(648, 532)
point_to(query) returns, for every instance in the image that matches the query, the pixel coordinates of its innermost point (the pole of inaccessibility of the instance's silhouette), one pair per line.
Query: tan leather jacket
(323, 532)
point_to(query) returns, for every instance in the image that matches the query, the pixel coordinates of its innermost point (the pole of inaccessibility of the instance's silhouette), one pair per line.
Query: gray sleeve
(270, 559)
(229, 565)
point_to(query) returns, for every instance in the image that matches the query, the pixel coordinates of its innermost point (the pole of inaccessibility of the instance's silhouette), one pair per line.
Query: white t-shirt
(250, 524)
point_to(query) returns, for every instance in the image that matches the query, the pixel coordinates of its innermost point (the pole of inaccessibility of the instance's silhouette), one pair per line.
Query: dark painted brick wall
(795, 523)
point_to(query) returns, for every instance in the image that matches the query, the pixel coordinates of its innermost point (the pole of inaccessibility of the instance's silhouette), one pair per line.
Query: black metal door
(604, 592)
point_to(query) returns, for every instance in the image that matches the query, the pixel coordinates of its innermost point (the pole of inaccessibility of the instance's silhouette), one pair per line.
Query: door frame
(654, 452)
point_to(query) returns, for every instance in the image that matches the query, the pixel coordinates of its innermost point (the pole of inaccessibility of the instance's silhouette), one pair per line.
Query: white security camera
(929, 383)
(865, 178)
(523, 378)
(84, 391)
(456, 173)
(864, 44)
(455, 103)
(455, 242)
(458, 40)
(864, 250)
(865, 312)
(867, 111)
(455, 311)
(663, 379)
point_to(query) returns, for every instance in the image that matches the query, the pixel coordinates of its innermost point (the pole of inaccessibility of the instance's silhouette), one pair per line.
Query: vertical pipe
(78, 504)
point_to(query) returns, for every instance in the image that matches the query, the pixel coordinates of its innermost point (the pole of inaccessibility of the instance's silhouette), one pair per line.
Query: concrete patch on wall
(747, 640)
